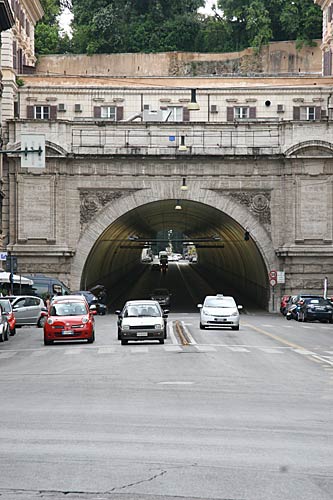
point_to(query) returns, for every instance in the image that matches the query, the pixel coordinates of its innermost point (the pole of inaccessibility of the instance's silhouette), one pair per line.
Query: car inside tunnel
(229, 260)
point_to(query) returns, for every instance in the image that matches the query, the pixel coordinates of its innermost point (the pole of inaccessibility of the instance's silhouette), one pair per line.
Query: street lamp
(193, 105)
(178, 206)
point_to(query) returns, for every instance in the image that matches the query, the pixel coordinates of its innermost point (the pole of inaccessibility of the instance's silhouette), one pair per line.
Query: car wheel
(299, 317)
(41, 322)
(48, 342)
(124, 342)
(2, 337)
(119, 334)
(235, 327)
(330, 320)
(92, 338)
(12, 332)
(161, 341)
(6, 334)
(202, 327)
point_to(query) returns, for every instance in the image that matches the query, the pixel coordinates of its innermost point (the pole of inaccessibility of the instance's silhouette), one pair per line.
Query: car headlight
(206, 312)
(50, 321)
(158, 326)
(125, 327)
(235, 313)
(85, 319)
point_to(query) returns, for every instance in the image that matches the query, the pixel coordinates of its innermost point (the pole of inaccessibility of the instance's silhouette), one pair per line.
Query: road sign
(281, 277)
(272, 274)
(33, 150)
(272, 282)
(3, 255)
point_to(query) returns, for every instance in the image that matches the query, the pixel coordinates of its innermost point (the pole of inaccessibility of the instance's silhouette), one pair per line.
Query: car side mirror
(200, 306)
(93, 309)
(117, 312)
(240, 307)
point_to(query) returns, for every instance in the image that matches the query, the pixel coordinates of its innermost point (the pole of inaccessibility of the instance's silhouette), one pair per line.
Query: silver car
(219, 310)
(28, 310)
(142, 320)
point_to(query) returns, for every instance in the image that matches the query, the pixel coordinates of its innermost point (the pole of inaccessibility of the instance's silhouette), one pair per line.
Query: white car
(219, 310)
(142, 320)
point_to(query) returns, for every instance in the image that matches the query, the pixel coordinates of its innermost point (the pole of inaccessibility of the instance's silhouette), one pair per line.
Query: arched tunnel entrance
(227, 263)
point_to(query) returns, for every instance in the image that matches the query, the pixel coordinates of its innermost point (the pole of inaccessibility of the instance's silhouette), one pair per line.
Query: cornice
(34, 8)
(6, 16)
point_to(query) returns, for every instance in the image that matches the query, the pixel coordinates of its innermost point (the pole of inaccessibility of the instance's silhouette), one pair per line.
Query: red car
(70, 319)
(8, 312)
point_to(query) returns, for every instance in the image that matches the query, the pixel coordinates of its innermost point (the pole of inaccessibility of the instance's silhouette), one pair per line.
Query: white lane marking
(189, 336)
(106, 350)
(73, 351)
(140, 348)
(7, 354)
(268, 326)
(172, 348)
(270, 350)
(175, 383)
(329, 352)
(205, 348)
(172, 334)
(188, 324)
(327, 361)
(238, 349)
(303, 351)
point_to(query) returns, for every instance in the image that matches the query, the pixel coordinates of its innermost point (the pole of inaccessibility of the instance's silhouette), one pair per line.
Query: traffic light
(246, 236)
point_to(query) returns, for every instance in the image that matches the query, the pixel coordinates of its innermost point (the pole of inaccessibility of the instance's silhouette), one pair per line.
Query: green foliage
(109, 26)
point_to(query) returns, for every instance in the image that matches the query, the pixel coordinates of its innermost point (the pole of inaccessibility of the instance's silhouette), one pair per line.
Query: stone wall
(275, 58)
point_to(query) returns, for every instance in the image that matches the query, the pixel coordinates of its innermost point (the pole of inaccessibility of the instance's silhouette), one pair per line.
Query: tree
(48, 36)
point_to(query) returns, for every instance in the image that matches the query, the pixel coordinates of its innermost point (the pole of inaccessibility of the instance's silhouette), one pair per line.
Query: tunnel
(225, 258)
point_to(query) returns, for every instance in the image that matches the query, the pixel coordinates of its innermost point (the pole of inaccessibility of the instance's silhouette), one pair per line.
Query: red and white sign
(272, 274)
(272, 282)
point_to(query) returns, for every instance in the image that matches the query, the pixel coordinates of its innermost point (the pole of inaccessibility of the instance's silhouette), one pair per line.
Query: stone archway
(246, 207)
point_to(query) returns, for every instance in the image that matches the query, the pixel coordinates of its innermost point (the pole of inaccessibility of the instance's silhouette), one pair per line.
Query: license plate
(142, 334)
(67, 332)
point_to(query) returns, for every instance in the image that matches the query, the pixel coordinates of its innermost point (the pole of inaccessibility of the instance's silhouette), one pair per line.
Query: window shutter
(97, 111)
(53, 112)
(186, 115)
(119, 113)
(30, 112)
(252, 113)
(318, 113)
(230, 114)
(297, 113)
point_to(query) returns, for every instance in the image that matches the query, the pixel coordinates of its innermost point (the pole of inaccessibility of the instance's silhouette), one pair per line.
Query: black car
(293, 306)
(318, 308)
(162, 295)
(92, 300)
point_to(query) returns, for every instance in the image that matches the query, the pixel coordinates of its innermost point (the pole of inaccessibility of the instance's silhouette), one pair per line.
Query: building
(257, 159)
(327, 41)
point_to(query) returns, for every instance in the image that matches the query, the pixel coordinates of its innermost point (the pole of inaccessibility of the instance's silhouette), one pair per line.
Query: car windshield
(225, 302)
(318, 302)
(141, 311)
(5, 304)
(68, 309)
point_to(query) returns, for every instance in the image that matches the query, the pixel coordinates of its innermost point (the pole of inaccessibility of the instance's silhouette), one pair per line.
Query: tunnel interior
(226, 260)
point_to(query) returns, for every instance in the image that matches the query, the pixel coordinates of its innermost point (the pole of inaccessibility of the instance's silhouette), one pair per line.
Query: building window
(241, 113)
(108, 112)
(307, 113)
(42, 112)
(173, 114)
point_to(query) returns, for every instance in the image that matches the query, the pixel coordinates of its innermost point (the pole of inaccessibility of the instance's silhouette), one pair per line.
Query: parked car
(70, 319)
(92, 300)
(219, 310)
(294, 304)
(4, 326)
(283, 304)
(316, 309)
(142, 320)
(43, 285)
(162, 295)
(28, 310)
(8, 312)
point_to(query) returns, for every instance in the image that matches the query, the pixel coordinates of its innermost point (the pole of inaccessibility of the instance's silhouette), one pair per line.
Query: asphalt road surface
(232, 415)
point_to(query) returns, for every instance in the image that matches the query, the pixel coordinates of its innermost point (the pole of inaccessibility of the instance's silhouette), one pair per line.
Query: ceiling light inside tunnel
(184, 186)
(193, 105)
(178, 206)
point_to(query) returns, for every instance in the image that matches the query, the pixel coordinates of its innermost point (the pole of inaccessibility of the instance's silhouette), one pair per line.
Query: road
(237, 415)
